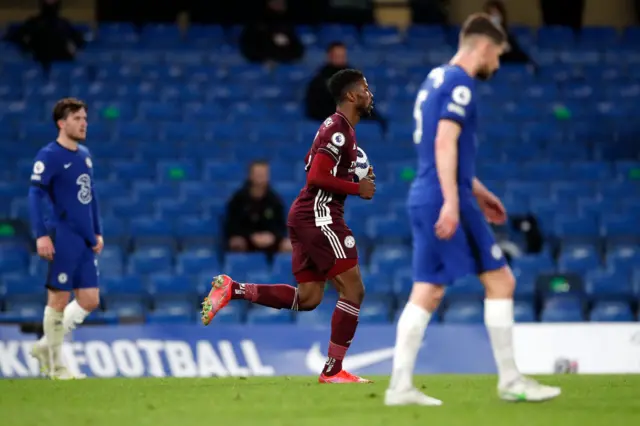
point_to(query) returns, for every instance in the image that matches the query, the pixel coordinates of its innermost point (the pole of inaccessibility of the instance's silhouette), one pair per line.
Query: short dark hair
(334, 45)
(260, 162)
(341, 81)
(67, 106)
(481, 24)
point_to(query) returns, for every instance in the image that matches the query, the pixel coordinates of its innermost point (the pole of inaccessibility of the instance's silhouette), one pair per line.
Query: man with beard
(71, 237)
(449, 209)
(323, 245)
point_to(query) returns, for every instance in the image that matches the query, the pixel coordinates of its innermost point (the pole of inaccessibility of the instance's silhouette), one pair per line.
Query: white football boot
(61, 372)
(525, 389)
(41, 353)
(410, 396)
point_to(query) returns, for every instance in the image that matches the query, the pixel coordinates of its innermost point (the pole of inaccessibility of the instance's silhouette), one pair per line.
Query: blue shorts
(74, 264)
(471, 250)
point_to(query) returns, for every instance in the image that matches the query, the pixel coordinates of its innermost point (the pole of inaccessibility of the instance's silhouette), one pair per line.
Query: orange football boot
(218, 297)
(342, 377)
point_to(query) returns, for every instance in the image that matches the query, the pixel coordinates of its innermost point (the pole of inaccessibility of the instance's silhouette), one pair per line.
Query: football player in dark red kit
(323, 245)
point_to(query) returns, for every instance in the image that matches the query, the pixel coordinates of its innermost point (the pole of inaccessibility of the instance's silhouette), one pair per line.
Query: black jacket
(318, 101)
(258, 40)
(247, 215)
(515, 54)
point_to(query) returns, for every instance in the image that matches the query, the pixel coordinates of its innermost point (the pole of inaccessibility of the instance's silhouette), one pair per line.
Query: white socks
(54, 333)
(498, 318)
(74, 315)
(410, 332)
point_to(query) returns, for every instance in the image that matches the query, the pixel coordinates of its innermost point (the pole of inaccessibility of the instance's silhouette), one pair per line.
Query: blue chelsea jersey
(446, 94)
(67, 178)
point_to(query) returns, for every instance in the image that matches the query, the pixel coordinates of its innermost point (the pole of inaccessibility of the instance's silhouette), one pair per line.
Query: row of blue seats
(162, 284)
(386, 270)
(216, 133)
(30, 79)
(372, 312)
(370, 35)
(374, 34)
(31, 82)
(185, 218)
(499, 159)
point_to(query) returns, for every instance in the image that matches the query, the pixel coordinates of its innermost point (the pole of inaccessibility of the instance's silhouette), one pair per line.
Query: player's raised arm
(447, 159)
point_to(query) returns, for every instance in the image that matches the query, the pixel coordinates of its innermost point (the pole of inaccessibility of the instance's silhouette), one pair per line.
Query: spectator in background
(47, 36)
(255, 219)
(498, 12)
(318, 100)
(272, 37)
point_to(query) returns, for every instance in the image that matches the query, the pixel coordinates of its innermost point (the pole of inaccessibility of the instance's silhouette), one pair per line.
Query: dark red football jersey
(314, 206)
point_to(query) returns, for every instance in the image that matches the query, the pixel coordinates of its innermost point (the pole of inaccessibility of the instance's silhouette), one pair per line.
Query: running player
(323, 246)
(70, 239)
(449, 209)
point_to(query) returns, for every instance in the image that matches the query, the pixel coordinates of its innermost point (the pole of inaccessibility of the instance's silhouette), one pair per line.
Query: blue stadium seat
(608, 285)
(533, 263)
(578, 258)
(562, 310)
(265, 315)
(24, 311)
(466, 312)
(233, 313)
(125, 287)
(620, 226)
(572, 227)
(387, 259)
(403, 282)
(239, 264)
(111, 260)
(612, 312)
(150, 226)
(315, 318)
(150, 261)
(167, 286)
(19, 288)
(524, 312)
(13, 260)
(623, 258)
(282, 263)
(196, 261)
(466, 288)
(177, 313)
(375, 311)
(127, 308)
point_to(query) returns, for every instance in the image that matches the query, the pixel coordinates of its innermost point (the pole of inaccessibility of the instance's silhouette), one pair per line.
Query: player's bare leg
(343, 325)
(413, 322)
(278, 296)
(498, 317)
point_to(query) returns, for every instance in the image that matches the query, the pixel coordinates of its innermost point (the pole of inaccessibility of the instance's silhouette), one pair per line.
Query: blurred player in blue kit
(449, 209)
(70, 237)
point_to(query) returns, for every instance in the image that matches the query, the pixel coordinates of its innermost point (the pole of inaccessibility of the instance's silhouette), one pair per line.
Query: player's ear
(350, 96)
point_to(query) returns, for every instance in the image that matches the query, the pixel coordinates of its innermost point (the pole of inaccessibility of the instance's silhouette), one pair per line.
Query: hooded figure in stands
(47, 36)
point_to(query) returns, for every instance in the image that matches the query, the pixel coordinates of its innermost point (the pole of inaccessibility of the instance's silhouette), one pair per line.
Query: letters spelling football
(362, 164)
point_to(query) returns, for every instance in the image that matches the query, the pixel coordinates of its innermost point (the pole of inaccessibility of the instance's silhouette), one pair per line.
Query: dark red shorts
(322, 252)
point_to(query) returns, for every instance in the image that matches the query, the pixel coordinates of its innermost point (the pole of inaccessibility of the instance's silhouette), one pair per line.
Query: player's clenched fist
(45, 248)
(447, 221)
(367, 188)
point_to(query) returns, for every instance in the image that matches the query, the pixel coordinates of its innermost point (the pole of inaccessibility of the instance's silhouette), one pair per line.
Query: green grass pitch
(300, 401)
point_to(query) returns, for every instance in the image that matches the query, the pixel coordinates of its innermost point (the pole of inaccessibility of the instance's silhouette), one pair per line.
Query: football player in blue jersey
(449, 209)
(70, 237)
